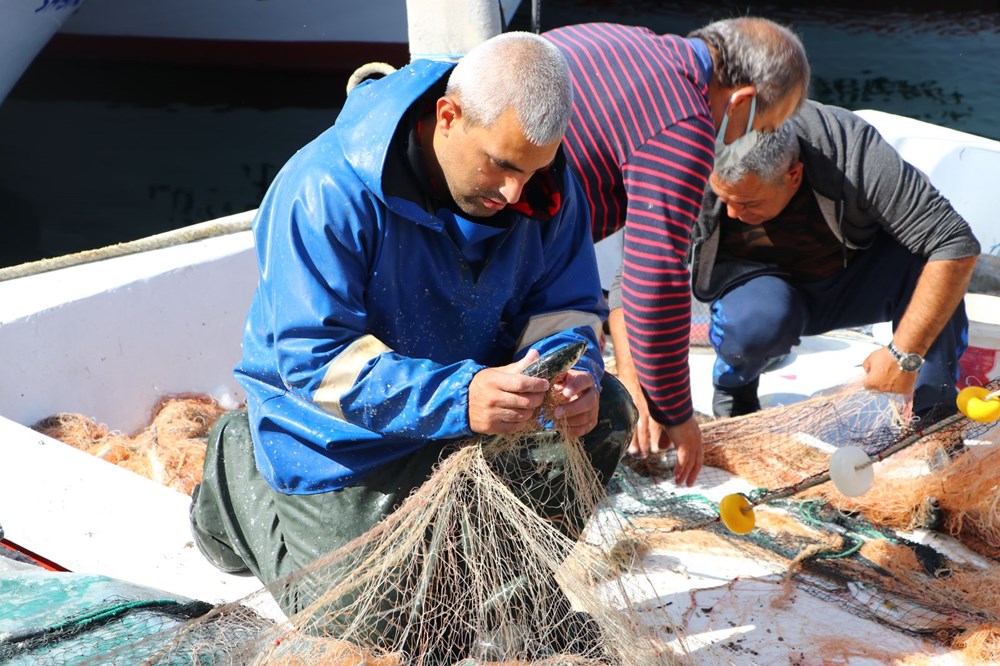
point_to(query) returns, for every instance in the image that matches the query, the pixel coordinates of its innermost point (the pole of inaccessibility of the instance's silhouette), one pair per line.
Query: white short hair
(770, 159)
(520, 71)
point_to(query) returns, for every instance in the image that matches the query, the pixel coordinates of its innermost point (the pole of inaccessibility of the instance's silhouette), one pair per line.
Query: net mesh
(170, 450)
(936, 473)
(61, 619)
(467, 572)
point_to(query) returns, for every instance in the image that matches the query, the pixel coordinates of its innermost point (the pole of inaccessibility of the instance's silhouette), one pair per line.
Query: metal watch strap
(908, 362)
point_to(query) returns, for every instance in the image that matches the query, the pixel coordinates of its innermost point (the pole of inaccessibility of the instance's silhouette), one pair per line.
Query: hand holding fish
(503, 400)
(577, 402)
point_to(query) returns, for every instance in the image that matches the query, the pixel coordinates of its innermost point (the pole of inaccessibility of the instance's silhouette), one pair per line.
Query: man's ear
(448, 112)
(713, 182)
(741, 95)
(795, 174)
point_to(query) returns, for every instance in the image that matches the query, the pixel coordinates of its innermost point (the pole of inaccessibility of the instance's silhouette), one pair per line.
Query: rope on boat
(221, 227)
(372, 70)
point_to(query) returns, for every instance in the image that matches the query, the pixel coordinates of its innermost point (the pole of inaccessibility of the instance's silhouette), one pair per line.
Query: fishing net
(925, 474)
(170, 450)
(475, 567)
(467, 571)
(787, 446)
(866, 554)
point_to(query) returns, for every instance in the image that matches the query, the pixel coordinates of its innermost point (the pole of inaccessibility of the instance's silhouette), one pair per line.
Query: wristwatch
(907, 362)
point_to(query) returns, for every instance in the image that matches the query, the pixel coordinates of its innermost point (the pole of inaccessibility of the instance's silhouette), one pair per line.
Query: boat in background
(962, 166)
(277, 34)
(25, 27)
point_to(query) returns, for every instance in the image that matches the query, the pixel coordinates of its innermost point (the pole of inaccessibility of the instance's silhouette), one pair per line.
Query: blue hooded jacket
(369, 321)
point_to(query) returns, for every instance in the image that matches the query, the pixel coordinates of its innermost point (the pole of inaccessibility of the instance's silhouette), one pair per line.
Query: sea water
(94, 153)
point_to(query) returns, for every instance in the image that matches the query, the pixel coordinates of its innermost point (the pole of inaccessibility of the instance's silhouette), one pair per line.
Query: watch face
(911, 362)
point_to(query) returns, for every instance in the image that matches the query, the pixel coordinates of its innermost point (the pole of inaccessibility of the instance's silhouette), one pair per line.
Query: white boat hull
(310, 34)
(25, 27)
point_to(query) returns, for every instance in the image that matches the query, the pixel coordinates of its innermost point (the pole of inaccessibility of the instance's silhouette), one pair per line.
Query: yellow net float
(737, 514)
(978, 404)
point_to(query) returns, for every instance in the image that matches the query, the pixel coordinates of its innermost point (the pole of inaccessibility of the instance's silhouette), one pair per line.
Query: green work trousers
(240, 523)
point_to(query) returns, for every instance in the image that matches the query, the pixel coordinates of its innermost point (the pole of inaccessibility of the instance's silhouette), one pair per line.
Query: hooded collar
(376, 129)
(372, 117)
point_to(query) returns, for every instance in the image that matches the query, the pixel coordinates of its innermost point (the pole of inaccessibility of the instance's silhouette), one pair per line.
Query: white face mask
(726, 154)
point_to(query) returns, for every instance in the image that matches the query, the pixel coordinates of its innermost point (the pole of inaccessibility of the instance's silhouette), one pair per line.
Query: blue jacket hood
(366, 141)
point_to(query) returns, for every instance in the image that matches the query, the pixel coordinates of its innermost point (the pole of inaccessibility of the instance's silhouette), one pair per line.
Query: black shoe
(736, 401)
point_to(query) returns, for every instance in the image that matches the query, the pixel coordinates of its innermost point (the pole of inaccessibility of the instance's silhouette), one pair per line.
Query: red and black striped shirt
(642, 142)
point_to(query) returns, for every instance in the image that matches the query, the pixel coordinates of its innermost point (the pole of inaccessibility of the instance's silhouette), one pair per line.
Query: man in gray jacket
(824, 226)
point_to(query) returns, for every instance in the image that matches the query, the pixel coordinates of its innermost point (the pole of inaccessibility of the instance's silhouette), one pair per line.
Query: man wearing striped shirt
(652, 114)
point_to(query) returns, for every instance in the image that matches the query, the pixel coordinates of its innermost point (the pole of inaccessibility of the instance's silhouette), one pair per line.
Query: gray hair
(758, 52)
(520, 71)
(775, 153)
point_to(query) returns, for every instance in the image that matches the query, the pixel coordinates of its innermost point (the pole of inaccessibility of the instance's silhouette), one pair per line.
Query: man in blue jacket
(414, 258)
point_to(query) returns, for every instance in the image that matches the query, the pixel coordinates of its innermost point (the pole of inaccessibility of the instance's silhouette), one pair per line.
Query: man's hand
(882, 373)
(577, 401)
(940, 288)
(502, 400)
(690, 452)
(649, 436)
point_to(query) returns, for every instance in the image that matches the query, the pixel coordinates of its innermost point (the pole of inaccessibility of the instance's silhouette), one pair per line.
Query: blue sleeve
(316, 246)
(412, 398)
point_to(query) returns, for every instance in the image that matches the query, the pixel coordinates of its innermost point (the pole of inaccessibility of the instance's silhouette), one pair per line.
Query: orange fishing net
(170, 450)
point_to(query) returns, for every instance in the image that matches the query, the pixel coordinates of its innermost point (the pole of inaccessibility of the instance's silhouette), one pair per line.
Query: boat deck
(92, 517)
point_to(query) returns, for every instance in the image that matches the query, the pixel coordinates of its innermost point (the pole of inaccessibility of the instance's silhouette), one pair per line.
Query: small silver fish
(557, 361)
(548, 366)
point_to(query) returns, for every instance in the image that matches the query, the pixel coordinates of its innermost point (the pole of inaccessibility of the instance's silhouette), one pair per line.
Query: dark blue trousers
(762, 319)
